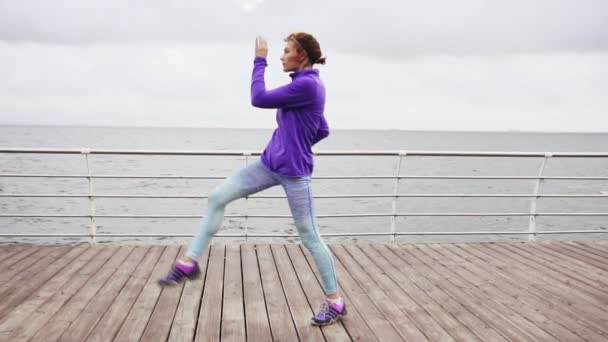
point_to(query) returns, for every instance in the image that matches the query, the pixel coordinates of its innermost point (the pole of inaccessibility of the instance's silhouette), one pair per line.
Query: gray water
(256, 139)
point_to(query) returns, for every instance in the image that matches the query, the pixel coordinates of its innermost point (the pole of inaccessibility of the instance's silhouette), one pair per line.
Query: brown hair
(306, 42)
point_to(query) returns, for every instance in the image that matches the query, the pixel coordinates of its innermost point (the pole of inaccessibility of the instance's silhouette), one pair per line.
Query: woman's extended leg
(249, 180)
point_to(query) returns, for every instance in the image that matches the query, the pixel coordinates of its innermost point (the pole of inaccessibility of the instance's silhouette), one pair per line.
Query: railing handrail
(42, 175)
(427, 153)
(401, 154)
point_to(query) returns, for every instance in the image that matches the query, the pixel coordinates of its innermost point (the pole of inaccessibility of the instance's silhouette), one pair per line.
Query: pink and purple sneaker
(179, 272)
(329, 313)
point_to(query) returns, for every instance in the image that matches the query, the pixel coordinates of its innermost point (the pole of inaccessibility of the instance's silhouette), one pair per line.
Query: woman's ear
(302, 56)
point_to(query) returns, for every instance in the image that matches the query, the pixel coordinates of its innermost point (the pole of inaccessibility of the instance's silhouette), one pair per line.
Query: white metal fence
(391, 231)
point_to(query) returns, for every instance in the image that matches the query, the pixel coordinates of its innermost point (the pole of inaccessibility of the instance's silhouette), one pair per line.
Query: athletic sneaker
(329, 313)
(179, 272)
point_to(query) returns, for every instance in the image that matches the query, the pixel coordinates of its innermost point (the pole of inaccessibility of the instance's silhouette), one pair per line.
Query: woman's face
(291, 59)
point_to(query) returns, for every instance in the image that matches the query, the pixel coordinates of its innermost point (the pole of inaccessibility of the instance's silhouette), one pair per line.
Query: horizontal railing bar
(318, 216)
(571, 214)
(572, 231)
(129, 152)
(99, 235)
(23, 175)
(316, 196)
(108, 176)
(319, 153)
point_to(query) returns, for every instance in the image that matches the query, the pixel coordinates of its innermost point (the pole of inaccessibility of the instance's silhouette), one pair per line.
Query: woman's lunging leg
(247, 181)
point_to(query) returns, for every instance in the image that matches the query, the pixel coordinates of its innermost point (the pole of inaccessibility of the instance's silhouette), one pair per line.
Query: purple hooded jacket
(301, 124)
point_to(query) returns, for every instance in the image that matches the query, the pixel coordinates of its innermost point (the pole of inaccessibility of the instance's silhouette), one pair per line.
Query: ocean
(148, 138)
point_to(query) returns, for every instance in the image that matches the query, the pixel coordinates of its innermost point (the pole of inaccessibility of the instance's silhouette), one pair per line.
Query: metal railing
(532, 214)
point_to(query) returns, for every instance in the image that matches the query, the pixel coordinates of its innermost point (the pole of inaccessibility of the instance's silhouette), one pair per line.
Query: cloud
(468, 65)
(250, 5)
(180, 84)
(383, 28)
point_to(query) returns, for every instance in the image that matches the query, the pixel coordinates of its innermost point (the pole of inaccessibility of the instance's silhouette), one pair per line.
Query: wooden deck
(553, 291)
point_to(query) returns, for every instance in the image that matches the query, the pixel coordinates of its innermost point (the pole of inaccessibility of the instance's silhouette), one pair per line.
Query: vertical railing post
(93, 232)
(247, 155)
(532, 220)
(395, 197)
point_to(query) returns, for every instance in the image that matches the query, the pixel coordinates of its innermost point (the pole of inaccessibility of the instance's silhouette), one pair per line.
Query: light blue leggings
(257, 177)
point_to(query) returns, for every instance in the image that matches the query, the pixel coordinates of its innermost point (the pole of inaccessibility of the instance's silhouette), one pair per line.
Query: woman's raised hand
(261, 47)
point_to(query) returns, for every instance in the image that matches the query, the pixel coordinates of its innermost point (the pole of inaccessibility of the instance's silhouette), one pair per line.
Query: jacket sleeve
(320, 136)
(322, 131)
(299, 92)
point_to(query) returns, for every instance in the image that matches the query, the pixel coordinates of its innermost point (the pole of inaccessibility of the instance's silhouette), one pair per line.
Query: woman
(287, 160)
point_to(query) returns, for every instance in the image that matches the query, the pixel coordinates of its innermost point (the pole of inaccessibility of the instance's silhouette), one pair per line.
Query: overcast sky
(534, 65)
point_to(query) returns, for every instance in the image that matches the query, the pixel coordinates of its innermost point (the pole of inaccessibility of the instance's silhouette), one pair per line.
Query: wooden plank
(233, 311)
(36, 253)
(281, 323)
(601, 246)
(603, 255)
(421, 315)
(541, 286)
(26, 264)
(23, 310)
(400, 320)
(16, 253)
(112, 320)
(30, 284)
(593, 255)
(357, 329)
(359, 302)
(573, 265)
(559, 262)
(19, 266)
(301, 312)
(593, 248)
(530, 311)
(523, 293)
(481, 306)
(257, 323)
(8, 251)
(404, 274)
(25, 258)
(551, 276)
(186, 315)
(45, 312)
(159, 325)
(358, 299)
(61, 320)
(584, 256)
(93, 312)
(510, 314)
(137, 319)
(209, 321)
